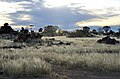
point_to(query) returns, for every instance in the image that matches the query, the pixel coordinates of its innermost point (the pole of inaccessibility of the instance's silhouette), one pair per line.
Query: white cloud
(93, 7)
(107, 11)
(35, 0)
(109, 21)
(4, 18)
(59, 3)
(20, 26)
(96, 7)
(24, 17)
(6, 8)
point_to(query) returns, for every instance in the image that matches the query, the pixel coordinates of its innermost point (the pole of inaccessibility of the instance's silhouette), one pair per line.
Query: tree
(94, 31)
(40, 30)
(6, 29)
(50, 30)
(31, 26)
(106, 28)
(86, 29)
(76, 33)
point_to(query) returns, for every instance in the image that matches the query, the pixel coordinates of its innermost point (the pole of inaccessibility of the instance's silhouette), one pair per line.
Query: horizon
(115, 28)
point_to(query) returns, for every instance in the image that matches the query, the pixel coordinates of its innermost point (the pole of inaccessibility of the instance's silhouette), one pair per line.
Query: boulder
(108, 40)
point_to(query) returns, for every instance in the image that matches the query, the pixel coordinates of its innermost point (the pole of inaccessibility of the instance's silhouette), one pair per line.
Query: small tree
(94, 31)
(86, 29)
(31, 26)
(50, 30)
(40, 30)
(106, 28)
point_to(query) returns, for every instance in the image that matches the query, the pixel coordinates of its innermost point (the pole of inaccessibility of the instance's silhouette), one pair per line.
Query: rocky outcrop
(108, 40)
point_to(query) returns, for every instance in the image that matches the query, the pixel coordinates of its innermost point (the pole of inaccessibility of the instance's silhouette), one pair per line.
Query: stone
(108, 40)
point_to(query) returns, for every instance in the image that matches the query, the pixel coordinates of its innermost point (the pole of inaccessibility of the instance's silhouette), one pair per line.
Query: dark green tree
(50, 30)
(86, 29)
(40, 30)
(94, 31)
(106, 28)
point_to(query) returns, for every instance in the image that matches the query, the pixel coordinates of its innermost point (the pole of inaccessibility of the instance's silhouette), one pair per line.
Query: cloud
(58, 16)
(20, 26)
(66, 13)
(24, 17)
(6, 7)
(9, 8)
(106, 12)
(109, 21)
(5, 18)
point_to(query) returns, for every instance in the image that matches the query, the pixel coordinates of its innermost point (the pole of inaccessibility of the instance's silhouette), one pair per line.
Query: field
(83, 59)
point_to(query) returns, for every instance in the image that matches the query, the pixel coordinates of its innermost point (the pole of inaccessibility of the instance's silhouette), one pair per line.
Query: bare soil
(85, 74)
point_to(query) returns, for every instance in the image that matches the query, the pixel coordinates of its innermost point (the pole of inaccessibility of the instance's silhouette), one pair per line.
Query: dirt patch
(83, 74)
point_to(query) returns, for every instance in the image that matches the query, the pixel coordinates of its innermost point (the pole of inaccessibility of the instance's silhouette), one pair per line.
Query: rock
(108, 40)
(61, 43)
(52, 39)
(68, 43)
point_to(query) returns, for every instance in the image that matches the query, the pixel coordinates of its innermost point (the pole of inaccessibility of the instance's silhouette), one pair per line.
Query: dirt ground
(84, 74)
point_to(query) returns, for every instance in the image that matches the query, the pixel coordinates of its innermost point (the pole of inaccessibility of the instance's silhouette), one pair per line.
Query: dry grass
(83, 53)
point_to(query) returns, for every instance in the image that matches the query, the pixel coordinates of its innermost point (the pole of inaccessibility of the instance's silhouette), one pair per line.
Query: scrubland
(83, 53)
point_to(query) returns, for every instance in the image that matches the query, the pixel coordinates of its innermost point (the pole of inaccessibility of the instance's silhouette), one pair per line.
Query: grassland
(84, 54)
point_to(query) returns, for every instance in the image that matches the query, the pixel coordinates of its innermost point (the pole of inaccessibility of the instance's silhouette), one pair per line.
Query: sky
(67, 14)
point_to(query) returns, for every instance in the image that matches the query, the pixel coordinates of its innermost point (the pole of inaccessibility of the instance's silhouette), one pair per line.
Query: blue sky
(67, 14)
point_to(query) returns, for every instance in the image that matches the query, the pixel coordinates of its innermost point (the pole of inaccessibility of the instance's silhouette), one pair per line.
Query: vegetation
(50, 30)
(38, 55)
(106, 28)
(84, 53)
